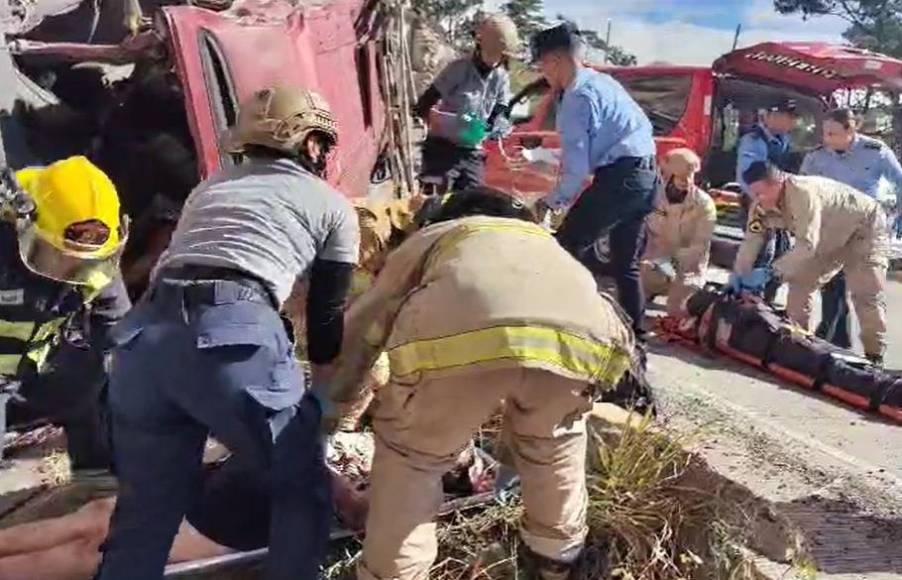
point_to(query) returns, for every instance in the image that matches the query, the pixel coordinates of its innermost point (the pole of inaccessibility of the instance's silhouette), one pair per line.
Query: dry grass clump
(654, 513)
(55, 469)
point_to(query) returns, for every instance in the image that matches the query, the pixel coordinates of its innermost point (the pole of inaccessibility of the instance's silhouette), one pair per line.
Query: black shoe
(875, 359)
(537, 567)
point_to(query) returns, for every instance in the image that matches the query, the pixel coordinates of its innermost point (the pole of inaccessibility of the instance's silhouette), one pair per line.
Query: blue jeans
(210, 358)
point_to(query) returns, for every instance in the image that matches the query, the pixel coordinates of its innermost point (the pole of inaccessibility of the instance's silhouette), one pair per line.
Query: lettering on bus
(793, 63)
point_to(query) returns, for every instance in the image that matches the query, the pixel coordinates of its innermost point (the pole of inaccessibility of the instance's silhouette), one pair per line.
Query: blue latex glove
(506, 482)
(734, 284)
(328, 412)
(753, 282)
(501, 128)
(757, 279)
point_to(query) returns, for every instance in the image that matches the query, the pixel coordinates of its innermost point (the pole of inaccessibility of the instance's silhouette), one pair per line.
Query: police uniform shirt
(465, 89)
(599, 123)
(759, 145)
(862, 166)
(268, 218)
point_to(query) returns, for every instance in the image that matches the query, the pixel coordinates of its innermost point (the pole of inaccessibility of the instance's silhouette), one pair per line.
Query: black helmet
(471, 202)
(564, 36)
(788, 106)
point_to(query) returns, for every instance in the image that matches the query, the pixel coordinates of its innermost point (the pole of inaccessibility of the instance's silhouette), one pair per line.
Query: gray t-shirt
(269, 218)
(465, 90)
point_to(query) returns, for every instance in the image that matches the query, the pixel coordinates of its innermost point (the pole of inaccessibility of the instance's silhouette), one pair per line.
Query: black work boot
(538, 567)
(876, 360)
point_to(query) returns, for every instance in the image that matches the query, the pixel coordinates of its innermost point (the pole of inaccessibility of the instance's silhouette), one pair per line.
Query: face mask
(317, 167)
(674, 193)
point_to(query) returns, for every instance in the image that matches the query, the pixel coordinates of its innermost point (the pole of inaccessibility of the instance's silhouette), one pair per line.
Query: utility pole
(736, 37)
(7, 100)
(607, 42)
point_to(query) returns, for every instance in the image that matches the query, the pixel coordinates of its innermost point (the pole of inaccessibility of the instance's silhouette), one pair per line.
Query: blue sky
(691, 31)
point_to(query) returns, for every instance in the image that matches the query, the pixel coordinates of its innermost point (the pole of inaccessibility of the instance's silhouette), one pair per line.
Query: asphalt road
(834, 471)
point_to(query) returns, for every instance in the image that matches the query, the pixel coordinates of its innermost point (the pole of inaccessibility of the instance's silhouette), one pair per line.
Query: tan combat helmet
(499, 28)
(281, 118)
(681, 161)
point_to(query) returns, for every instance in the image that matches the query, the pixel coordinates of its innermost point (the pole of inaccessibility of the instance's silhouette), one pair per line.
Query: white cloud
(690, 44)
(681, 40)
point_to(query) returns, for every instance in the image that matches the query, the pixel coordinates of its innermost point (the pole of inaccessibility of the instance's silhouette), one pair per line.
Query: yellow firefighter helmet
(75, 233)
(281, 118)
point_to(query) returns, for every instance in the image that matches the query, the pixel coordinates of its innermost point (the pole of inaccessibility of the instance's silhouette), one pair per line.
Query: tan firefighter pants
(864, 260)
(421, 428)
(656, 283)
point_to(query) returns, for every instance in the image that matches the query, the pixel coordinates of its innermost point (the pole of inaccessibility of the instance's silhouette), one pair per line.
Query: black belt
(193, 273)
(630, 163)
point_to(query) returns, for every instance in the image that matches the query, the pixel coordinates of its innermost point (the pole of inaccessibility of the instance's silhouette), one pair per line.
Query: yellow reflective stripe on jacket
(464, 231)
(48, 329)
(39, 354)
(17, 330)
(573, 354)
(38, 345)
(9, 364)
(97, 281)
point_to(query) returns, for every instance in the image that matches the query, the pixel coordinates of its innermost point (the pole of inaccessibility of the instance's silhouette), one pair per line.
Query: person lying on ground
(232, 515)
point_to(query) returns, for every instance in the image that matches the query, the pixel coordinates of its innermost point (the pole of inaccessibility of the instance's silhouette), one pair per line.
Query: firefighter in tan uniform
(679, 233)
(836, 227)
(470, 317)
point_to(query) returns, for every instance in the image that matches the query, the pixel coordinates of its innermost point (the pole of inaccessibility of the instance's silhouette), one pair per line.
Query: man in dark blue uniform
(207, 352)
(768, 141)
(604, 135)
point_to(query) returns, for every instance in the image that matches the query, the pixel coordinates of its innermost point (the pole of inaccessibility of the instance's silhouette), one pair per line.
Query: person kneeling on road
(207, 352)
(62, 235)
(836, 227)
(470, 317)
(679, 233)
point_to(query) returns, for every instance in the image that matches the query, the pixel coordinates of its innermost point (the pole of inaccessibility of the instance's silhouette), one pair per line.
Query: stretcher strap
(820, 377)
(879, 393)
(773, 340)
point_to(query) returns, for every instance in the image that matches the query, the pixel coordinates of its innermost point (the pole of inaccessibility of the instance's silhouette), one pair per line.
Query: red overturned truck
(147, 89)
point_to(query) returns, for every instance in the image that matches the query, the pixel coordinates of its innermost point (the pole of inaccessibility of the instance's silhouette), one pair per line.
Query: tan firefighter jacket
(682, 232)
(483, 293)
(823, 215)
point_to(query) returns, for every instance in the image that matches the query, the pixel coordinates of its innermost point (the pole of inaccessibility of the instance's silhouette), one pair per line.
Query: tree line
(456, 18)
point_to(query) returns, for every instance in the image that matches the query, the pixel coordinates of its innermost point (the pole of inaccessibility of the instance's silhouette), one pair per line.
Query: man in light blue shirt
(604, 134)
(853, 159)
(861, 162)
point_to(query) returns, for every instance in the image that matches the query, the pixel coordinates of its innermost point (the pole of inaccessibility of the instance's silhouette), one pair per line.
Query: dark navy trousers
(616, 204)
(210, 358)
(835, 326)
